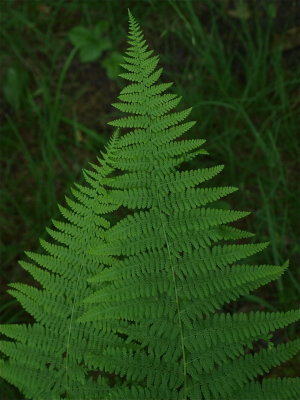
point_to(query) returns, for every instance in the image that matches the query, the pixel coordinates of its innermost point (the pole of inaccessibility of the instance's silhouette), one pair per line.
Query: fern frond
(172, 272)
(45, 360)
(140, 300)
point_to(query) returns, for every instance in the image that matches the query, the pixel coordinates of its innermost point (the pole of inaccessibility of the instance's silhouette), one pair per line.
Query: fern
(141, 299)
(46, 358)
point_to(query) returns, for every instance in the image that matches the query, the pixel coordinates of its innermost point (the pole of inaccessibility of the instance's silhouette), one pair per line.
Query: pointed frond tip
(132, 20)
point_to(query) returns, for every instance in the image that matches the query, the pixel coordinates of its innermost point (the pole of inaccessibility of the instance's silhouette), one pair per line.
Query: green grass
(243, 87)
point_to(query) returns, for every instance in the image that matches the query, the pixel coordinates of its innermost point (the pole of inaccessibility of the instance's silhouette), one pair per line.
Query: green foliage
(140, 300)
(92, 43)
(14, 86)
(111, 63)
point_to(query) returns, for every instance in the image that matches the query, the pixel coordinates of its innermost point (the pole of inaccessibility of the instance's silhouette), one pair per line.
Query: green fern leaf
(171, 276)
(141, 300)
(46, 358)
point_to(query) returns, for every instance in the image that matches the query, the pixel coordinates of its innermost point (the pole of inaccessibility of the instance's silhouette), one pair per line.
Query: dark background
(237, 64)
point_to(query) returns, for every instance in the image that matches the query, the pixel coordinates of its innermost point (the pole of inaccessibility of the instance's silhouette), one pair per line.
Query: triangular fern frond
(172, 271)
(133, 309)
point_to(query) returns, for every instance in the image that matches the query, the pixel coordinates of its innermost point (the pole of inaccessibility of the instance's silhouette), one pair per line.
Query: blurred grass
(235, 62)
